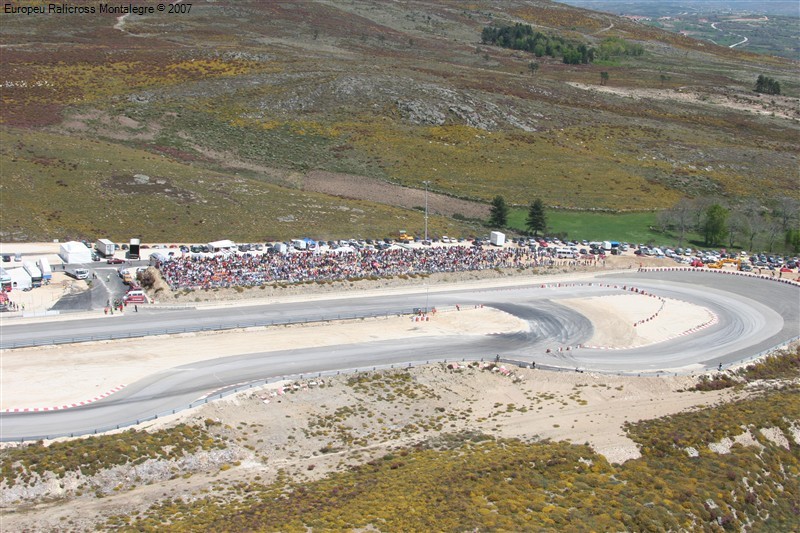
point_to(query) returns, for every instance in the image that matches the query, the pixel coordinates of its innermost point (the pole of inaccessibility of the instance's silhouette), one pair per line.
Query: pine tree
(498, 214)
(537, 218)
(715, 225)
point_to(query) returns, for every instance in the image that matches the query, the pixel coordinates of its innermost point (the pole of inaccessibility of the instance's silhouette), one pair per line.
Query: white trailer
(34, 272)
(497, 238)
(105, 247)
(299, 244)
(44, 266)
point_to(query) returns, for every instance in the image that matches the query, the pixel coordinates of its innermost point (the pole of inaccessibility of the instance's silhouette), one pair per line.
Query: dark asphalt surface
(754, 315)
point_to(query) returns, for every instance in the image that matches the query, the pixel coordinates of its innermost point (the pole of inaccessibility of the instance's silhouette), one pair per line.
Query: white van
(135, 297)
(565, 253)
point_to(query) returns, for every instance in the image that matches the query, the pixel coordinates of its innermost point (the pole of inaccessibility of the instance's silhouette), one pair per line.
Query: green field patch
(623, 227)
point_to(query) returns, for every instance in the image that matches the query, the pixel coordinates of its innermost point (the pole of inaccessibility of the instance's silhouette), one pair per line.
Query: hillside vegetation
(387, 451)
(228, 108)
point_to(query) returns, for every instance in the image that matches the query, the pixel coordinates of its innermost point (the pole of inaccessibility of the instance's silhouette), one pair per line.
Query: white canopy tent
(223, 245)
(75, 252)
(20, 279)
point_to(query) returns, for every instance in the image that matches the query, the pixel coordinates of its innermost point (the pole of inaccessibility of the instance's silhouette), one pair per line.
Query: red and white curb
(66, 406)
(712, 320)
(787, 281)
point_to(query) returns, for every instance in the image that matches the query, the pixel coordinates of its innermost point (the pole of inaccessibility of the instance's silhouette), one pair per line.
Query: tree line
(767, 85)
(749, 224)
(523, 37)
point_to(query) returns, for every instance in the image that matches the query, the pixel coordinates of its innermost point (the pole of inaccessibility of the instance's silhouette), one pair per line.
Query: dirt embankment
(364, 188)
(287, 428)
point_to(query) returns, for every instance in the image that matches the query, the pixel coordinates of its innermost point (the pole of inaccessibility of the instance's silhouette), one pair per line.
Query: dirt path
(364, 188)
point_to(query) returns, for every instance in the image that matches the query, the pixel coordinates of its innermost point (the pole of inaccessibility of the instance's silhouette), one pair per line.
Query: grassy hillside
(475, 482)
(727, 466)
(74, 187)
(402, 93)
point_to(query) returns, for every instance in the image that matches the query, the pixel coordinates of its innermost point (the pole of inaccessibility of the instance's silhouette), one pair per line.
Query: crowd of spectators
(232, 270)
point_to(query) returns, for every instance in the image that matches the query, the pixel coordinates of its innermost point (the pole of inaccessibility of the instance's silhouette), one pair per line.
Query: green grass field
(625, 227)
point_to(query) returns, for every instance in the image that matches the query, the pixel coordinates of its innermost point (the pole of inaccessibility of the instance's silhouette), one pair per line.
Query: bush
(781, 365)
(719, 381)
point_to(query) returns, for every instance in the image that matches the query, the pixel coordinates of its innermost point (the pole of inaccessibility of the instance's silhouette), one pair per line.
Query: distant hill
(650, 7)
(238, 113)
(760, 27)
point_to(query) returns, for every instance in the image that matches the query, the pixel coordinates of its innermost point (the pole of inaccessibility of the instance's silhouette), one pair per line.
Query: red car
(114, 261)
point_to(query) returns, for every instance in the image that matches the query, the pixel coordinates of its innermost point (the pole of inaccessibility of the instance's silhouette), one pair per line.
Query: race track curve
(754, 315)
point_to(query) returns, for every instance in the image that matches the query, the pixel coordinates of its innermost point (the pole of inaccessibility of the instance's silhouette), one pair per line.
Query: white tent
(219, 246)
(20, 279)
(75, 252)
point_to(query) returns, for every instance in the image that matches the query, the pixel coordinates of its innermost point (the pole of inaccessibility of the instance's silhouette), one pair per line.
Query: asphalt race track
(754, 315)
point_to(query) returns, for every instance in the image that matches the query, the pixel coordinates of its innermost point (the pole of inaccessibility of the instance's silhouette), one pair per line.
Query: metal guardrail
(235, 389)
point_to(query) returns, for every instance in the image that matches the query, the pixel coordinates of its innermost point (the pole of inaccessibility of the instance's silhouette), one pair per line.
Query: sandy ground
(630, 320)
(61, 375)
(780, 106)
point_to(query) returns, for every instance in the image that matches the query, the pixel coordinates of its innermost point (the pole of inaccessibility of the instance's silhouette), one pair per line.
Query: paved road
(754, 315)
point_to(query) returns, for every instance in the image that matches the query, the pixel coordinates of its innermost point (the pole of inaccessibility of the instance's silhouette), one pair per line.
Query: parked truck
(34, 272)
(44, 267)
(105, 247)
(128, 275)
(133, 249)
